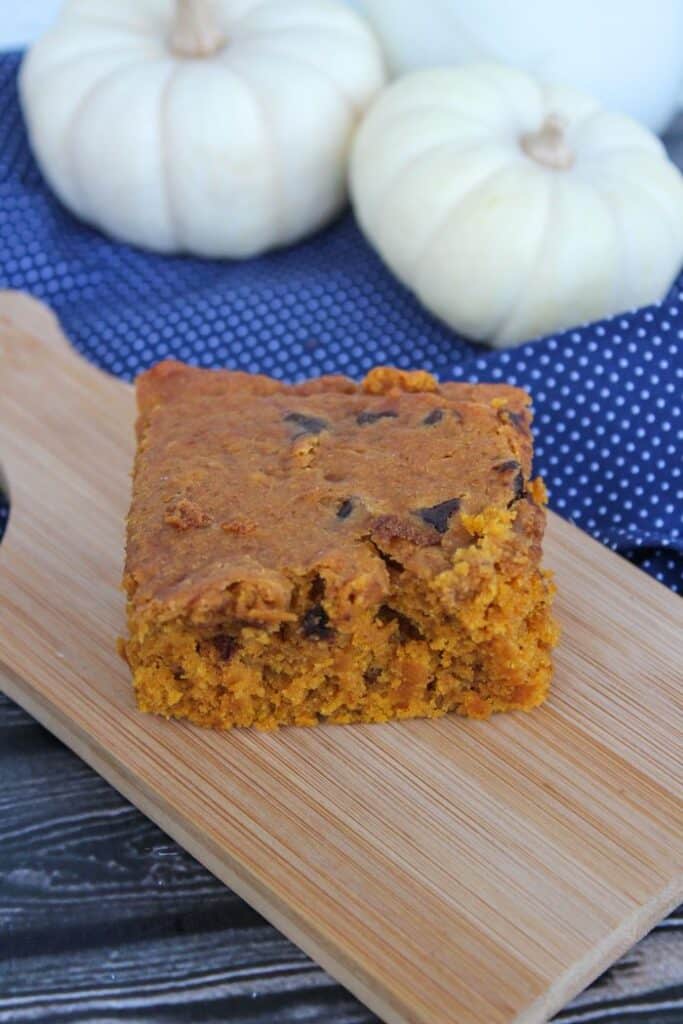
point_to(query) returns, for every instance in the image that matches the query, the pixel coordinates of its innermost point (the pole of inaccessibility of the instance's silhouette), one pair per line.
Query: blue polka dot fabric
(607, 397)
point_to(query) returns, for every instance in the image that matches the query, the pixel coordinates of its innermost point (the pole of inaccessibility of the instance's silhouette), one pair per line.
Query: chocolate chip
(225, 646)
(435, 416)
(317, 589)
(407, 629)
(315, 623)
(438, 515)
(518, 488)
(371, 417)
(345, 509)
(391, 563)
(306, 424)
(517, 419)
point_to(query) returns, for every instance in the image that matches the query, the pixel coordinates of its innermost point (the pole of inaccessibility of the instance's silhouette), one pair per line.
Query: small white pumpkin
(513, 209)
(215, 128)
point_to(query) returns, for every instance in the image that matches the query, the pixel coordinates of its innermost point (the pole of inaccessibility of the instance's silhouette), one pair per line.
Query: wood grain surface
(444, 871)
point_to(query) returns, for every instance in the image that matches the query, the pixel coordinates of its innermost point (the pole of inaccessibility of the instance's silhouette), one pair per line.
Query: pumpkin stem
(548, 146)
(195, 31)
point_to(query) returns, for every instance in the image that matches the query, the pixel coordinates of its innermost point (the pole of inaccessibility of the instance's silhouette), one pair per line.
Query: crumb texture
(334, 551)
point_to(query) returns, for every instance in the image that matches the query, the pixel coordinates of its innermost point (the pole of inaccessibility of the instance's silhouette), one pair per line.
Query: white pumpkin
(626, 53)
(220, 129)
(513, 209)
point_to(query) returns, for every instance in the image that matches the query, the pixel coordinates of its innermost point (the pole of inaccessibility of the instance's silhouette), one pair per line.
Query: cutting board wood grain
(446, 872)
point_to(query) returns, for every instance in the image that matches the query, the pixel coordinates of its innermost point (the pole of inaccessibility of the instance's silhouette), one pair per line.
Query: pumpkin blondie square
(334, 551)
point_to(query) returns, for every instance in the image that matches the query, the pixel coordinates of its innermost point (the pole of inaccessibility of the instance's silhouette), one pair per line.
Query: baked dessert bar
(334, 551)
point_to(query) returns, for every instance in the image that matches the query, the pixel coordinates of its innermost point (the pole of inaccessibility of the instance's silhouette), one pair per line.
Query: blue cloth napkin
(607, 397)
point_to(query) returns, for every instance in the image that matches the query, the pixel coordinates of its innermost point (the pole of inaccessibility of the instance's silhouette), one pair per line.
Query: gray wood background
(103, 918)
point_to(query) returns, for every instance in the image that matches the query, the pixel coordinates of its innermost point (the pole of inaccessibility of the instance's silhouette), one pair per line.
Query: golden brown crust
(386, 380)
(217, 446)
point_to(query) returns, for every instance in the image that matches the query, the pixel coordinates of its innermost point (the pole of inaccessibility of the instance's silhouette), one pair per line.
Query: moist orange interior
(474, 639)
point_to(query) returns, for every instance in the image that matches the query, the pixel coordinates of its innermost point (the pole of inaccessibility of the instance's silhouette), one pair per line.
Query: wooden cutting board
(446, 872)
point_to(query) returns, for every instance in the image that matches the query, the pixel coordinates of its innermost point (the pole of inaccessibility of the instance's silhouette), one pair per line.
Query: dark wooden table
(103, 918)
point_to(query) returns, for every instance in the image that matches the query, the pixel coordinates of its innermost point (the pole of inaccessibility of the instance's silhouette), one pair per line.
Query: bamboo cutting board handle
(66, 444)
(45, 389)
(66, 440)
(447, 872)
(25, 315)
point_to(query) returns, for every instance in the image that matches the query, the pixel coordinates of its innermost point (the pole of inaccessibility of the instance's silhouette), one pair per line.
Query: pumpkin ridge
(622, 278)
(641, 185)
(72, 130)
(540, 247)
(65, 62)
(511, 111)
(631, 149)
(423, 108)
(167, 186)
(446, 216)
(409, 167)
(300, 62)
(642, 141)
(276, 197)
(95, 21)
(664, 218)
